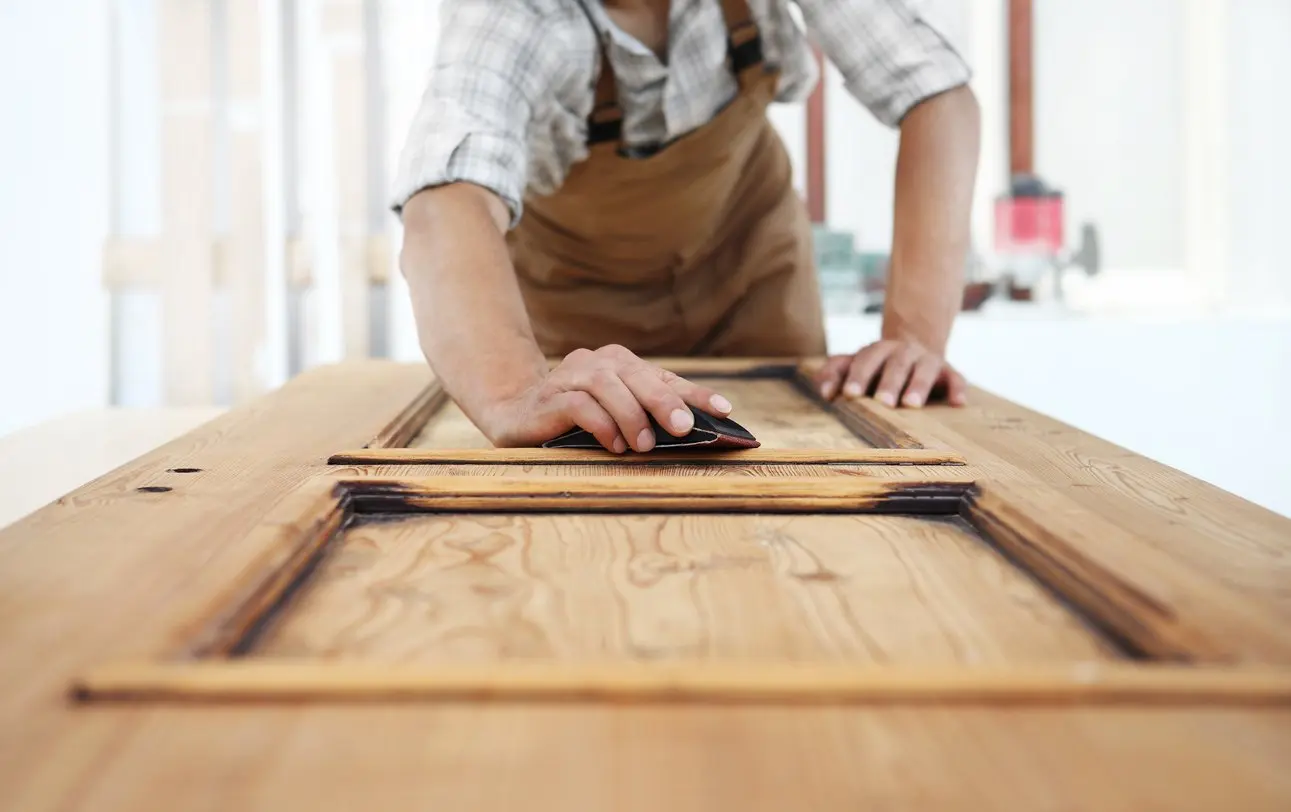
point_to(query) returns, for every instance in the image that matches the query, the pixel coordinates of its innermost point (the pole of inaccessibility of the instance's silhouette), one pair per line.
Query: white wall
(1259, 52)
(1207, 395)
(1109, 122)
(53, 208)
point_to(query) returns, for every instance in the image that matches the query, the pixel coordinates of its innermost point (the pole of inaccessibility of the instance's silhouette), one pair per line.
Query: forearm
(471, 319)
(936, 168)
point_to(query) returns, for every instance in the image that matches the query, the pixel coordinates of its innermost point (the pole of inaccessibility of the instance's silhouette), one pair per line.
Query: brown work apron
(702, 248)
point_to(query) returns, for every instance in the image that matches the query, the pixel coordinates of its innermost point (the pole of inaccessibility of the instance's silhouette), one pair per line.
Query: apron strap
(743, 39)
(605, 122)
(744, 51)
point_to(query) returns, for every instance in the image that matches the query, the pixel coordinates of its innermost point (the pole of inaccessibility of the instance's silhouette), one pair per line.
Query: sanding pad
(709, 432)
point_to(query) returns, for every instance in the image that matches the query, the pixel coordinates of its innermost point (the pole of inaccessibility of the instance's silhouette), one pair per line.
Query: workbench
(339, 597)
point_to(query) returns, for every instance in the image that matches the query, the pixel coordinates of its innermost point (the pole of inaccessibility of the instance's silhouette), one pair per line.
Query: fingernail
(913, 401)
(826, 390)
(682, 420)
(886, 399)
(720, 403)
(852, 390)
(619, 445)
(645, 440)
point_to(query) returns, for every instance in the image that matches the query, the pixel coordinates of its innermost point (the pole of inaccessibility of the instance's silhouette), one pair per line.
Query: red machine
(1029, 238)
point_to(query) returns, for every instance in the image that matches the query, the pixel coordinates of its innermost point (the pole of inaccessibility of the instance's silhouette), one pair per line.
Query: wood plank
(292, 536)
(1021, 127)
(447, 426)
(1162, 608)
(654, 493)
(910, 473)
(778, 682)
(577, 456)
(1218, 534)
(644, 758)
(431, 403)
(173, 542)
(690, 588)
(41, 463)
(97, 571)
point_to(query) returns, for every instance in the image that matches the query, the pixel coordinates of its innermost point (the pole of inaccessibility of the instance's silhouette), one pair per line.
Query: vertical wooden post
(343, 27)
(244, 273)
(185, 66)
(816, 146)
(377, 256)
(1021, 130)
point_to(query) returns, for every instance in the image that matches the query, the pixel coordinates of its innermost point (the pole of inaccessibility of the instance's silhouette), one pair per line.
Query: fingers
(701, 397)
(586, 413)
(830, 377)
(927, 370)
(865, 365)
(663, 402)
(630, 390)
(896, 371)
(612, 393)
(890, 368)
(956, 387)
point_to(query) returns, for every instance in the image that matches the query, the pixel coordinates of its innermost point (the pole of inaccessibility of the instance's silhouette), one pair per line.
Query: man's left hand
(896, 371)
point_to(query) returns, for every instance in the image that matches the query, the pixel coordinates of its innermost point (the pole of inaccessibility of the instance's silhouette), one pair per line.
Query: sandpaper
(709, 433)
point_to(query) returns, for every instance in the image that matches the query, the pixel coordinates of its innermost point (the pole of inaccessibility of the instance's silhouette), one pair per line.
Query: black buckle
(598, 132)
(605, 123)
(745, 54)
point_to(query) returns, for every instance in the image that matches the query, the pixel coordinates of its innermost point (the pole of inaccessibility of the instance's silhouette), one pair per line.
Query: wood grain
(293, 537)
(430, 403)
(658, 493)
(1163, 609)
(1214, 533)
(446, 426)
(1084, 684)
(642, 758)
(623, 588)
(100, 576)
(577, 456)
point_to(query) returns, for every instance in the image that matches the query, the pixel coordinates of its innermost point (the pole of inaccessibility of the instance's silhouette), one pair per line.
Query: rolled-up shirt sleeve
(891, 58)
(471, 124)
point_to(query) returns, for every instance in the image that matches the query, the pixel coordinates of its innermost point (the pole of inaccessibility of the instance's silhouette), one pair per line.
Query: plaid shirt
(508, 99)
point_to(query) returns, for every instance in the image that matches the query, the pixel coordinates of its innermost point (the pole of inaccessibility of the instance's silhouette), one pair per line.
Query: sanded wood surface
(1212, 531)
(773, 409)
(864, 589)
(100, 576)
(1085, 684)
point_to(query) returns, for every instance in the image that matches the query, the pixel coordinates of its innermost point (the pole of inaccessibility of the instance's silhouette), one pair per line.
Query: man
(597, 179)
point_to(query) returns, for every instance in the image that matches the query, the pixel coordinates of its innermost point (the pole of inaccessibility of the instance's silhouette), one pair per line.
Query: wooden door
(651, 575)
(347, 573)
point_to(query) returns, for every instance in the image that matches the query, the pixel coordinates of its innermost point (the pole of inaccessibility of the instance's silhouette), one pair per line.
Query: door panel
(865, 589)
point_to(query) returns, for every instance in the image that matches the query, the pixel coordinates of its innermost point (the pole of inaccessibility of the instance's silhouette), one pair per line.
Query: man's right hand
(608, 392)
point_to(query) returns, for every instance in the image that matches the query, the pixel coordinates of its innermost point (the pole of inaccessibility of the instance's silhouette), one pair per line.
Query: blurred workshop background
(193, 209)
